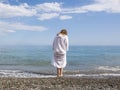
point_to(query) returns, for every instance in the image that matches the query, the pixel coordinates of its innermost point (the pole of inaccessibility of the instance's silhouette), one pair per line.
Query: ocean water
(35, 61)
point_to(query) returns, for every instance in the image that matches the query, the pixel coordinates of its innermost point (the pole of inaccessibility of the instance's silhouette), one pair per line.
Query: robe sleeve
(60, 44)
(67, 43)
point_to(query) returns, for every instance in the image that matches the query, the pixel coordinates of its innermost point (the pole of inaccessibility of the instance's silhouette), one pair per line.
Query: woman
(60, 47)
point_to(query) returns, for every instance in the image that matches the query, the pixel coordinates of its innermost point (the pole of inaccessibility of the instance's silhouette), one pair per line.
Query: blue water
(38, 58)
(91, 57)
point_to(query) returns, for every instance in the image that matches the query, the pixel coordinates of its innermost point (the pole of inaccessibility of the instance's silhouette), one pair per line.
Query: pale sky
(36, 22)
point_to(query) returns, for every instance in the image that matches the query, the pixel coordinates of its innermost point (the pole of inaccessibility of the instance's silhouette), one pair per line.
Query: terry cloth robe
(60, 47)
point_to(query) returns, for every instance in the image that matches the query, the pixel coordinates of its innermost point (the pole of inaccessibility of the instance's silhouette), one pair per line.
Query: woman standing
(60, 47)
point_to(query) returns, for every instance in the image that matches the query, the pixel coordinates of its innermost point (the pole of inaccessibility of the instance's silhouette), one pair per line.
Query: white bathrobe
(60, 47)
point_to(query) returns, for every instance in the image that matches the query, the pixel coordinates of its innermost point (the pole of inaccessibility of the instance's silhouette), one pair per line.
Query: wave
(97, 75)
(109, 68)
(22, 74)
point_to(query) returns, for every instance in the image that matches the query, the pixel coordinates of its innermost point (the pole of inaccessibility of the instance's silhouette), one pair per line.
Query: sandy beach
(64, 83)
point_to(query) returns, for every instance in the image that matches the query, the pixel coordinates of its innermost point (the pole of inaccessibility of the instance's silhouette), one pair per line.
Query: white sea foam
(20, 74)
(116, 68)
(97, 75)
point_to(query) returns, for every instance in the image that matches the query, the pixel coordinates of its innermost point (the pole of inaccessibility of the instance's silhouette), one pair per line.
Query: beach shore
(63, 83)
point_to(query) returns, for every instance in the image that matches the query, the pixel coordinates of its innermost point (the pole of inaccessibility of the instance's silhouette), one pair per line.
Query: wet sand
(64, 83)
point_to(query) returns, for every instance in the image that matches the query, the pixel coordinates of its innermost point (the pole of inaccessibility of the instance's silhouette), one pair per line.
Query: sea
(82, 61)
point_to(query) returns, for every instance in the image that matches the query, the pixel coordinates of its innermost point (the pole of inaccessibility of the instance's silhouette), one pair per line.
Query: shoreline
(62, 83)
(51, 74)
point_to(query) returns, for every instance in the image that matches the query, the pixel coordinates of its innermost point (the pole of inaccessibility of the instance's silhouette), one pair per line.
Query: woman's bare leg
(58, 72)
(61, 71)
